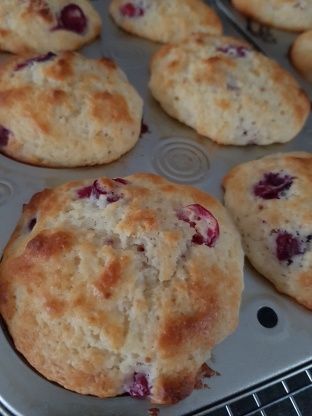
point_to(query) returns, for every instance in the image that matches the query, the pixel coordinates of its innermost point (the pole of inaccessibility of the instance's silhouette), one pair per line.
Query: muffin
(270, 200)
(36, 26)
(64, 110)
(165, 21)
(122, 285)
(227, 91)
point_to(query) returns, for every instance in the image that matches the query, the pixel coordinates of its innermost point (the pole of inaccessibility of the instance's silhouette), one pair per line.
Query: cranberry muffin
(165, 21)
(64, 110)
(227, 91)
(122, 285)
(270, 200)
(39, 26)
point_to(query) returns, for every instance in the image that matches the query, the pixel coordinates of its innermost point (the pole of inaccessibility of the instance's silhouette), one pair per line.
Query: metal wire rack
(3, 411)
(288, 396)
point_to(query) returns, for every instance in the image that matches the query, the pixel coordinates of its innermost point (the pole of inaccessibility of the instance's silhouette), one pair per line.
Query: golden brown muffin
(227, 91)
(165, 21)
(122, 285)
(39, 26)
(65, 110)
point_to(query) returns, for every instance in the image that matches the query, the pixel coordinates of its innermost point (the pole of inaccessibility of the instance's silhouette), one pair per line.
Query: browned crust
(47, 244)
(173, 389)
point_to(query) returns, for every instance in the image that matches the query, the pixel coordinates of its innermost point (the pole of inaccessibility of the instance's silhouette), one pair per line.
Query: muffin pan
(260, 349)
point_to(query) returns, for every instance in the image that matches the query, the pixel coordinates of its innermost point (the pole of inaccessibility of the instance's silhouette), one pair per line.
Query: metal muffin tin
(253, 354)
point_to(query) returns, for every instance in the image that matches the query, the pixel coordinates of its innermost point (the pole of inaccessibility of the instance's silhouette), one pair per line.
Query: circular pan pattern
(181, 160)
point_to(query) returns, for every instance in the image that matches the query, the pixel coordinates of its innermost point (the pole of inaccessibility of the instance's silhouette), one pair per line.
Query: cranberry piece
(112, 197)
(288, 246)
(121, 180)
(99, 189)
(72, 18)
(139, 387)
(234, 51)
(41, 58)
(144, 128)
(130, 10)
(204, 223)
(32, 223)
(85, 192)
(273, 185)
(96, 190)
(4, 136)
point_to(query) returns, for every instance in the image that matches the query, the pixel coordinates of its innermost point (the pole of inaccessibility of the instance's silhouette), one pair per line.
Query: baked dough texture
(270, 200)
(122, 285)
(65, 110)
(225, 90)
(40, 26)
(165, 21)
